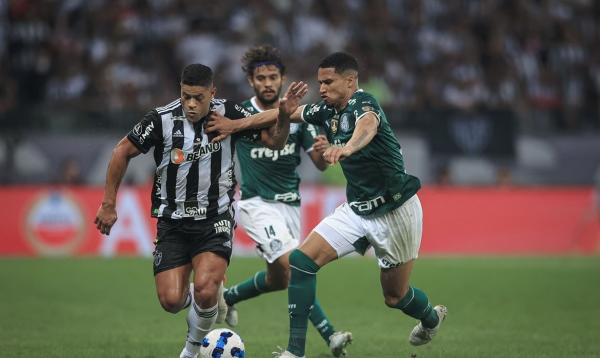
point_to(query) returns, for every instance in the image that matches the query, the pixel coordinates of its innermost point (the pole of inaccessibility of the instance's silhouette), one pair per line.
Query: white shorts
(395, 236)
(274, 226)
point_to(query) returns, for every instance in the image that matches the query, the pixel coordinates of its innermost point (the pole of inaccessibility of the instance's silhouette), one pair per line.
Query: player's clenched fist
(105, 218)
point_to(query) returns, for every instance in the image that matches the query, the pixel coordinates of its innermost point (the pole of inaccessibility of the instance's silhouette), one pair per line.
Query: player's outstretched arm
(224, 127)
(364, 132)
(276, 136)
(107, 212)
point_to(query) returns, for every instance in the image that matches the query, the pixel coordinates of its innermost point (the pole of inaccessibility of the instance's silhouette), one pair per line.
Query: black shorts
(178, 241)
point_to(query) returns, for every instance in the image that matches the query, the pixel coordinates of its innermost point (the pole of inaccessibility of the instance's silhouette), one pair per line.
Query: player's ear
(249, 78)
(213, 91)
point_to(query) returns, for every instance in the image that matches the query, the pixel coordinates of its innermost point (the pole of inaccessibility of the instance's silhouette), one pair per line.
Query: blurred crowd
(538, 58)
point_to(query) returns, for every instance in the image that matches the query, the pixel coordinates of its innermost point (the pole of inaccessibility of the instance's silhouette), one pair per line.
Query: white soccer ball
(222, 343)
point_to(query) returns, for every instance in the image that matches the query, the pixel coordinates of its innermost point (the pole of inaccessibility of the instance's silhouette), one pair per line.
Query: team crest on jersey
(334, 124)
(345, 122)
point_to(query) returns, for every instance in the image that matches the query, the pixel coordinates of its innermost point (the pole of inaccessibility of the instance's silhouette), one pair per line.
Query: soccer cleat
(232, 316)
(338, 342)
(421, 335)
(285, 354)
(187, 354)
(222, 310)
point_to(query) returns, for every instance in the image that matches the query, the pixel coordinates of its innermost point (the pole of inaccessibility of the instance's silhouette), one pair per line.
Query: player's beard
(268, 101)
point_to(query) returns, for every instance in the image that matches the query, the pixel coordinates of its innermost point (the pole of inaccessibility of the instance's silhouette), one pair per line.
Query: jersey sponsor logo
(287, 197)
(178, 133)
(178, 156)
(55, 224)
(222, 226)
(352, 102)
(260, 153)
(385, 263)
(243, 110)
(368, 205)
(368, 109)
(194, 211)
(141, 132)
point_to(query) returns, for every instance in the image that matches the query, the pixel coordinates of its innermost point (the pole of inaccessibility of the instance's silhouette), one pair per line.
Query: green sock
(301, 296)
(252, 287)
(416, 304)
(320, 321)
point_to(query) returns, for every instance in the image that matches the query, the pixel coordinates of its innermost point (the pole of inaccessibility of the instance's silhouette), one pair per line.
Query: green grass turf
(498, 307)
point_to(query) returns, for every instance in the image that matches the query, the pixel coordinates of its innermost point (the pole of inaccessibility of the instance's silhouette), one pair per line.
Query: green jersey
(376, 179)
(271, 174)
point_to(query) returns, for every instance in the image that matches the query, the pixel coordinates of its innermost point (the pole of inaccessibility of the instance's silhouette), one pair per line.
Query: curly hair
(261, 56)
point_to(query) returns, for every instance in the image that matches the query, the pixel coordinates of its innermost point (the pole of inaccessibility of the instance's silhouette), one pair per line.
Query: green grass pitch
(498, 307)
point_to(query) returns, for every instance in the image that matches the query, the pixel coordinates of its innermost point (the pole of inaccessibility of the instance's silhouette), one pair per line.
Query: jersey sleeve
(367, 104)
(309, 132)
(235, 111)
(311, 114)
(147, 133)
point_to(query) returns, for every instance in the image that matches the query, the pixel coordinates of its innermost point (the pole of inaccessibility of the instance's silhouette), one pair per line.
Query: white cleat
(338, 342)
(285, 354)
(187, 354)
(232, 316)
(421, 335)
(222, 310)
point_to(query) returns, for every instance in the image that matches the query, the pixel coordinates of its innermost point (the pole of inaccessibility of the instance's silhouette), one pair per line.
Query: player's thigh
(266, 225)
(343, 231)
(396, 235)
(172, 285)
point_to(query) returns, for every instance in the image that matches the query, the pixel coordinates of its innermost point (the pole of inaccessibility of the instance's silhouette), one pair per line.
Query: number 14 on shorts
(270, 231)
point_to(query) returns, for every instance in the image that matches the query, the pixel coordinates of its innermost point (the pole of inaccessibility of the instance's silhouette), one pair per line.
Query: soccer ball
(222, 343)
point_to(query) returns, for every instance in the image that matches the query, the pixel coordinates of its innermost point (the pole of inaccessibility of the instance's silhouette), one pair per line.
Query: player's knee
(392, 299)
(278, 282)
(205, 293)
(170, 301)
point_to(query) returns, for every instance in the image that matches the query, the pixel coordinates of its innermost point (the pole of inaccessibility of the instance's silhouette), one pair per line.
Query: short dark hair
(262, 55)
(340, 61)
(197, 75)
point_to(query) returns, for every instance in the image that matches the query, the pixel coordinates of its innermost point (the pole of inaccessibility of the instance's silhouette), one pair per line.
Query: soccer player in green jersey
(382, 211)
(269, 209)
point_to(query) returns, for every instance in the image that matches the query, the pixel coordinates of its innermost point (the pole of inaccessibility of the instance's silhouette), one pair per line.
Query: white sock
(199, 321)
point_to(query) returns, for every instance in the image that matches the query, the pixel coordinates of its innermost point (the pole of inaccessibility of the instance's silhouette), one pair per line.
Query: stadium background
(496, 104)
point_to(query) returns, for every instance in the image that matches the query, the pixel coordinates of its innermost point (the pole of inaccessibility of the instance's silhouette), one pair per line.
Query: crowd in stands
(538, 58)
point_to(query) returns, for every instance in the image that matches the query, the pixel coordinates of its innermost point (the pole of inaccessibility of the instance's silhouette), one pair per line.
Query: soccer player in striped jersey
(269, 209)
(192, 193)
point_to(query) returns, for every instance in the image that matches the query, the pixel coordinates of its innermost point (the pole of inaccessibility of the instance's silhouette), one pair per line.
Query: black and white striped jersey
(194, 178)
